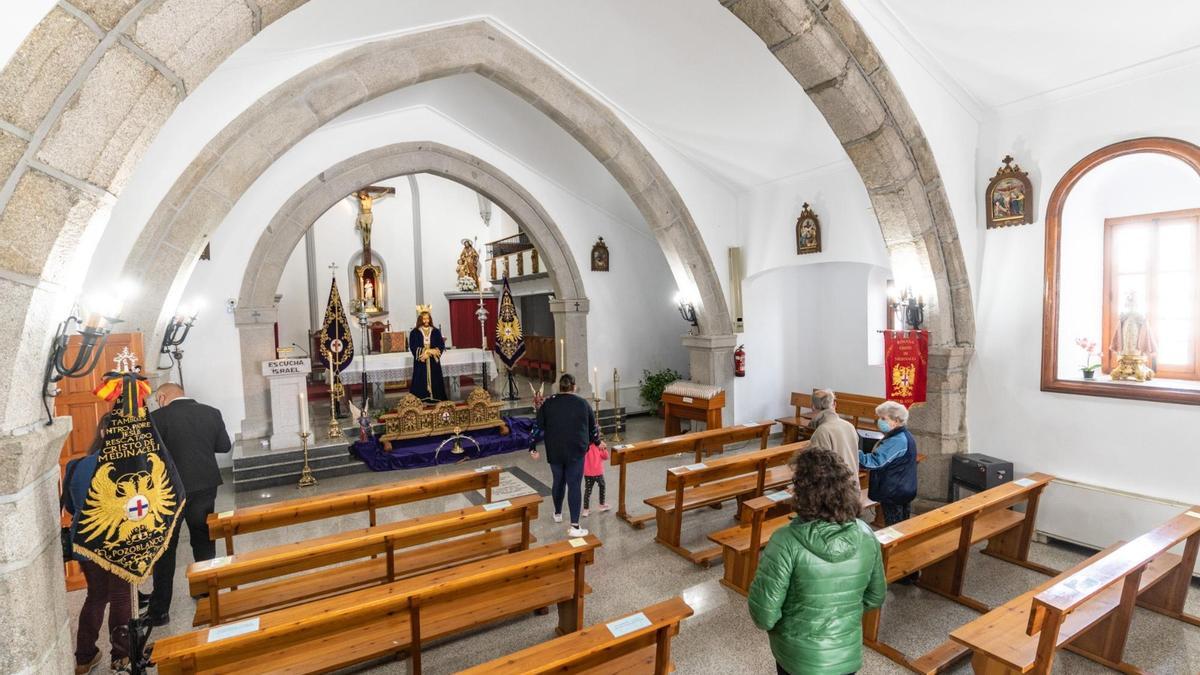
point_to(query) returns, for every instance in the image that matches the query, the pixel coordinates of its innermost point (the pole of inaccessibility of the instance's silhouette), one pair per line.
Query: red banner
(905, 361)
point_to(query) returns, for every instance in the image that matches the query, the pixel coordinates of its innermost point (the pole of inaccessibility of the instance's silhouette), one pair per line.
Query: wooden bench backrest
(345, 502)
(734, 465)
(801, 402)
(592, 646)
(1069, 594)
(930, 524)
(277, 561)
(298, 625)
(872, 401)
(690, 442)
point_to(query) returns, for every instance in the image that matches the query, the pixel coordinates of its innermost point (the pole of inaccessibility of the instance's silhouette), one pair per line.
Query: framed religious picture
(808, 232)
(600, 256)
(1009, 197)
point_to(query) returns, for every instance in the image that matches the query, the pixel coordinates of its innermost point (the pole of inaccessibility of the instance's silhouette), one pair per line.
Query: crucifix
(366, 197)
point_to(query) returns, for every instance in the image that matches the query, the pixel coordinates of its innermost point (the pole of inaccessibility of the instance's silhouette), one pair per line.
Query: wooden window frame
(1111, 303)
(1050, 381)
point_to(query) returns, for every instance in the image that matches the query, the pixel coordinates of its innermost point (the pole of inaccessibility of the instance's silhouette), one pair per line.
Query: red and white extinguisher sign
(739, 361)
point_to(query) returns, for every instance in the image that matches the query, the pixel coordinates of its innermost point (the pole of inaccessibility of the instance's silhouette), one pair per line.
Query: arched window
(1123, 274)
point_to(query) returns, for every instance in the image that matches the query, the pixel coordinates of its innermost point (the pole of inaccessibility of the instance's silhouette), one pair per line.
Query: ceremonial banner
(510, 342)
(337, 344)
(129, 516)
(905, 362)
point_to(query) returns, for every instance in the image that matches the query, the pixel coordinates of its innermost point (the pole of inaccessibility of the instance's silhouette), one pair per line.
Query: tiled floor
(631, 571)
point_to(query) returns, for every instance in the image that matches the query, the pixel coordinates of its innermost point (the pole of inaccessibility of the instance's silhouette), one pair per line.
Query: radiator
(1097, 517)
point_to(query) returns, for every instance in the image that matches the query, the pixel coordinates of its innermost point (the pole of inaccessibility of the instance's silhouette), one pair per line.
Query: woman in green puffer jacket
(818, 574)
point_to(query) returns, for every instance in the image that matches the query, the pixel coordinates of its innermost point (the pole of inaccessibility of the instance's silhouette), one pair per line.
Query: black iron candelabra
(91, 348)
(173, 339)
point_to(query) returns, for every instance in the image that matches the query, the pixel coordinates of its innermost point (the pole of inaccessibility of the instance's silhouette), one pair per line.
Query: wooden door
(77, 401)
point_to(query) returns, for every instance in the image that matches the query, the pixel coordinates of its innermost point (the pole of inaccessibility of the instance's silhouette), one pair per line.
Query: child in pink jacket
(593, 474)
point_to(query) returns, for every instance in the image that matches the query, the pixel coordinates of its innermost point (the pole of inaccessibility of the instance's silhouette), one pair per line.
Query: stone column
(940, 424)
(711, 358)
(570, 322)
(256, 328)
(36, 635)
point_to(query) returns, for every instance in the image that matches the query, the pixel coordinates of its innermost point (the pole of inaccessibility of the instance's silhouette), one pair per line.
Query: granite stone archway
(256, 313)
(824, 48)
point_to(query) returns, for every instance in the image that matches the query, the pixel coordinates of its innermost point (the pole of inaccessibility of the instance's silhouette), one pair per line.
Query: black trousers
(588, 482)
(195, 514)
(894, 513)
(566, 483)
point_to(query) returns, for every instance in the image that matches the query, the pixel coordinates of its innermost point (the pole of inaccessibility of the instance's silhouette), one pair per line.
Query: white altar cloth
(399, 365)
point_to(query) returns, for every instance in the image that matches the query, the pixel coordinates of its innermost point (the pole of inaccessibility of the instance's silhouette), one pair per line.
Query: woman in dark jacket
(818, 574)
(892, 463)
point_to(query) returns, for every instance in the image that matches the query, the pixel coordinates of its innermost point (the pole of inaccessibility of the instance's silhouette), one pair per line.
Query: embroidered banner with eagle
(905, 362)
(135, 496)
(510, 342)
(337, 345)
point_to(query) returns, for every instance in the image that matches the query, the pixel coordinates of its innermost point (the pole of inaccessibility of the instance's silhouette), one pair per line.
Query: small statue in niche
(468, 267)
(1133, 344)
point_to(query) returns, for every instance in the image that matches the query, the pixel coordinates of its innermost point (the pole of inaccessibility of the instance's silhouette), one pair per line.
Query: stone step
(290, 478)
(291, 466)
(277, 456)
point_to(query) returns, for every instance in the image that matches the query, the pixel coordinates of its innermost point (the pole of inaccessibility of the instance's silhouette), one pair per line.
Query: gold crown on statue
(424, 308)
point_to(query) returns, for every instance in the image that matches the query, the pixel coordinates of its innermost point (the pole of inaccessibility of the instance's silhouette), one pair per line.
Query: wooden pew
(741, 476)
(937, 544)
(742, 543)
(227, 524)
(344, 630)
(696, 443)
(857, 409)
(602, 649)
(381, 554)
(1088, 609)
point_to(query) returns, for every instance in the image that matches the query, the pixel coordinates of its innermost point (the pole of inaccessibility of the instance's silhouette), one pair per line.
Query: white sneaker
(585, 513)
(558, 517)
(603, 507)
(576, 532)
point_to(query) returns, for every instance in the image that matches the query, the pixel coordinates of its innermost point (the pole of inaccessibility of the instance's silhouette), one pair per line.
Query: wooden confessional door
(77, 401)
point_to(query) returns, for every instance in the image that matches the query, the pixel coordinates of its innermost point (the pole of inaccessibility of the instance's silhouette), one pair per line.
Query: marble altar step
(275, 468)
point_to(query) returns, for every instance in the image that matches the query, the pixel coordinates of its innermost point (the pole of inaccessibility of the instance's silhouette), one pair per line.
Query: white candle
(595, 382)
(562, 355)
(303, 412)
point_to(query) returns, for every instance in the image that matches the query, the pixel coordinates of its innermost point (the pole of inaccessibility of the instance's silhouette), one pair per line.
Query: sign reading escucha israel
(286, 367)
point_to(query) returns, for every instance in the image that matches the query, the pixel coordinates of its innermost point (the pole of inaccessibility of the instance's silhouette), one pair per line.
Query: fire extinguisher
(739, 361)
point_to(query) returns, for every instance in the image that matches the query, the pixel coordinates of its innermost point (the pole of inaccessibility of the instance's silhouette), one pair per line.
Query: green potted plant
(652, 386)
(1089, 349)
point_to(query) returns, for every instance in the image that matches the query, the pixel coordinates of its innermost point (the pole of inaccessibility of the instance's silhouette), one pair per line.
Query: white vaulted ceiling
(1004, 53)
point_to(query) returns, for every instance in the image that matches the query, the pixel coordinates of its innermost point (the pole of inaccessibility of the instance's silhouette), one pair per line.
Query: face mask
(883, 426)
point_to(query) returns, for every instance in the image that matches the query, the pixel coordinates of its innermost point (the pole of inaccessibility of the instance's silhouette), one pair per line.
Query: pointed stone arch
(256, 313)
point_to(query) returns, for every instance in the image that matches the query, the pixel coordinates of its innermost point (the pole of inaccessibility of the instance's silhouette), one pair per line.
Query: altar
(398, 366)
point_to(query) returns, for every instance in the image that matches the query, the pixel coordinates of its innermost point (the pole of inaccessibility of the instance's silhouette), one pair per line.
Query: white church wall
(632, 322)
(1135, 446)
(810, 328)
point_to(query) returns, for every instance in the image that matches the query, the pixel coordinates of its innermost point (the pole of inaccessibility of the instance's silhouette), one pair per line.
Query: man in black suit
(192, 433)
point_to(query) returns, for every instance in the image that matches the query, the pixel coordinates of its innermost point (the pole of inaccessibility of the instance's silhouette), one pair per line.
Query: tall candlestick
(303, 412)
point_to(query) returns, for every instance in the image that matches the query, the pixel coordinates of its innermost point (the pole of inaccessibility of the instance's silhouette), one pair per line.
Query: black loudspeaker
(977, 472)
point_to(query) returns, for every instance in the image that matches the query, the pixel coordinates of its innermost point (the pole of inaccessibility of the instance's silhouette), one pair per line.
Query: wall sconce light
(914, 310)
(94, 331)
(686, 310)
(181, 324)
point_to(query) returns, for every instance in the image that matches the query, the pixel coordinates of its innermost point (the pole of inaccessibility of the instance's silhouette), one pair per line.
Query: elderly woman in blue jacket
(892, 463)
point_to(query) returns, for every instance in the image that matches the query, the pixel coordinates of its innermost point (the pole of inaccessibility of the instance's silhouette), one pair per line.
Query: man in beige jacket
(833, 432)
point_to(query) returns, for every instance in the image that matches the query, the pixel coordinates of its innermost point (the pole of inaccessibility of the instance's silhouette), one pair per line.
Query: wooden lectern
(691, 401)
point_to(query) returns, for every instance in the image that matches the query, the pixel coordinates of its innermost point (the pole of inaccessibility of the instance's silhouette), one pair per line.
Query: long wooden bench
(400, 617)
(227, 524)
(742, 543)
(697, 443)
(381, 554)
(1089, 608)
(639, 643)
(737, 477)
(937, 544)
(857, 409)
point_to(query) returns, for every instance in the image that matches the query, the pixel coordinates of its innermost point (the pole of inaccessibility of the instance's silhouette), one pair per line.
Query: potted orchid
(1089, 349)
